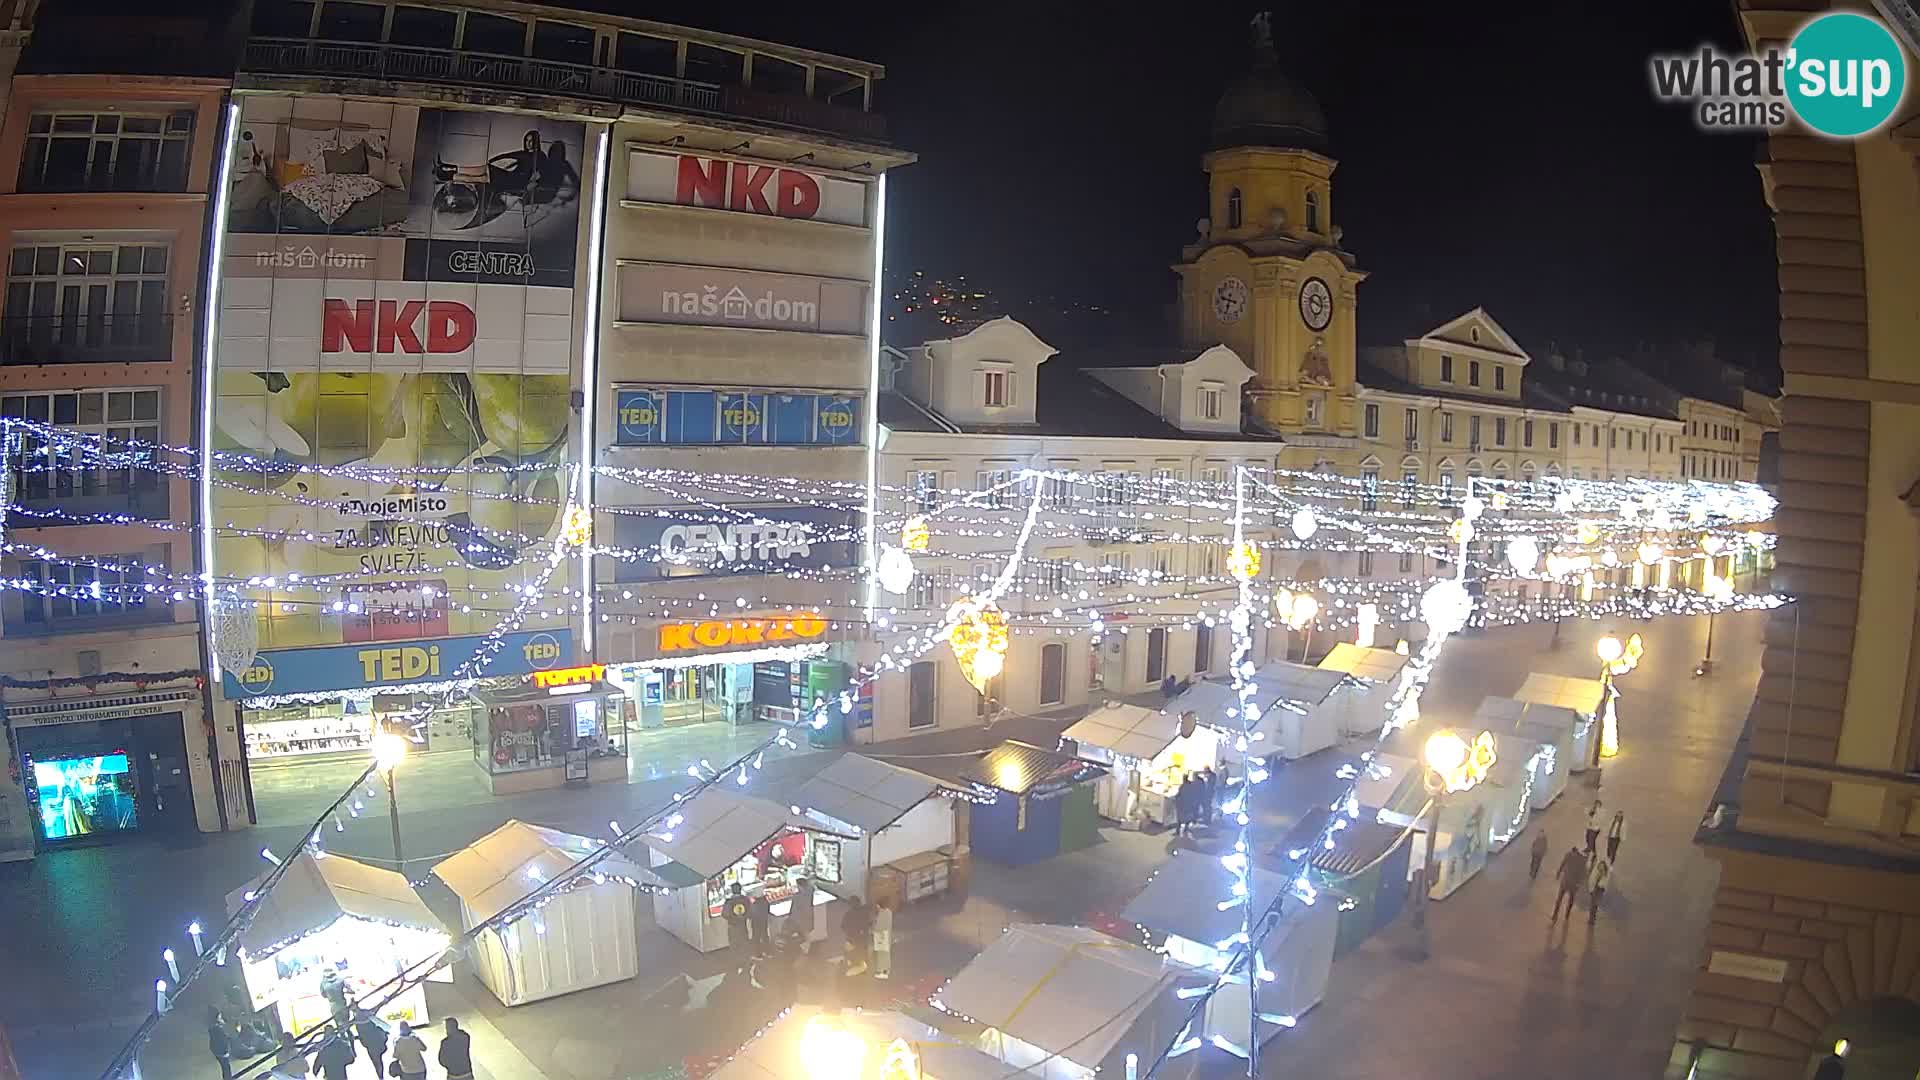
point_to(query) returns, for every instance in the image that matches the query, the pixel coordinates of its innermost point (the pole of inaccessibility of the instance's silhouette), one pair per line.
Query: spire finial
(1262, 23)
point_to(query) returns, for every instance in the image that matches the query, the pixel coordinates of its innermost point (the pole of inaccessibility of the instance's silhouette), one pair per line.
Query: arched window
(1236, 209)
(1313, 211)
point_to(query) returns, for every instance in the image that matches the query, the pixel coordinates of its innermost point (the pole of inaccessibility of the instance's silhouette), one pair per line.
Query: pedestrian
(334, 989)
(1571, 875)
(1183, 805)
(883, 939)
(1596, 888)
(288, 1060)
(1169, 687)
(739, 940)
(372, 1035)
(1593, 826)
(857, 926)
(220, 1043)
(801, 920)
(410, 1054)
(335, 1056)
(1209, 795)
(1614, 832)
(456, 1052)
(759, 915)
(1537, 856)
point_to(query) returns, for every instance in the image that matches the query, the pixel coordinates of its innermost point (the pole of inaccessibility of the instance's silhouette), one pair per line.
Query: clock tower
(1267, 276)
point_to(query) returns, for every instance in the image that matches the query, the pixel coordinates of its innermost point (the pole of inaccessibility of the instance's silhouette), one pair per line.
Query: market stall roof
(865, 793)
(1529, 720)
(718, 827)
(1184, 898)
(1285, 680)
(1130, 730)
(1018, 768)
(499, 869)
(316, 891)
(1374, 665)
(776, 1053)
(1581, 695)
(1358, 846)
(1068, 990)
(1382, 777)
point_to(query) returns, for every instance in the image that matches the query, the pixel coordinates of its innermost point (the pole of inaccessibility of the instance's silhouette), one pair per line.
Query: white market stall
(332, 913)
(1066, 1002)
(1182, 901)
(583, 935)
(1583, 697)
(1375, 675)
(809, 1041)
(1390, 789)
(1458, 833)
(1148, 752)
(722, 839)
(1507, 793)
(1542, 732)
(906, 826)
(1294, 718)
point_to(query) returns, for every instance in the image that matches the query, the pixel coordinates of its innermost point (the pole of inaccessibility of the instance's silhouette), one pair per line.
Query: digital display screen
(85, 796)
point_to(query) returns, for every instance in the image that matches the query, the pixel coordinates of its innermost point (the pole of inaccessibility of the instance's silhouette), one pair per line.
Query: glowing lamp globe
(1472, 507)
(1303, 524)
(1304, 608)
(1461, 531)
(1445, 607)
(1565, 500)
(895, 572)
(1609, 558)
(1712, 544)
(1609, 649)
(1445, 753)
(389, 750)
(1586, 532)
(1650, 554)
(1523, 554)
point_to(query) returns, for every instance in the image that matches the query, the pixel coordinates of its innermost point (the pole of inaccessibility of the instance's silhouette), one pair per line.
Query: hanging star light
(1650, 553)
(895, 570)
(914, 534)
(1712, 544)
(1445, 607)
(1523, 554)
(1243, 562)
(978, 640)
(1586, 532)
(1303, 524)
(576, 528)
(1461, 531)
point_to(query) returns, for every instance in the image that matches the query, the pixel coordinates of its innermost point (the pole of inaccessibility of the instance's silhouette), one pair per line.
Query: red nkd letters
(387, 326)
(736, 185)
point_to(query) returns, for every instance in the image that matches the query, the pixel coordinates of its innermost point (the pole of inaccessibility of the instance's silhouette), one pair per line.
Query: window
(1210, 401)
(1313, 211)
(1473, 334)
(1473, 373)
(1473, 432)
(1316, 410)
(926, 489)
(1409, 487)
(109, 151)
(1526, 433)
(1594, 431)
(1056, 575)
(1056, 493)
(1446, 483)
(1553, 436)
(1163, 560)
(1613, 438)
(1446, 427)
(1499, 377)
(1206, 560)
(1406, 562)
(1370, 489)
(1211, 475)
(658, 415)
(1166, 483)
(1110, 490)
(1413, 427)
(1371, 420)
(1115, 565)
(1499, 431)
(996, 389)
(1446, 368)
(1365, 567)
(1236, 209)
(80, 483)
(423, 27)
(994, 694)
(997, 484)
(1156, 654)
(931, 591)
(87, 304)
(1053, 674)
(103, 590)
(1202, 649)
(921, 678)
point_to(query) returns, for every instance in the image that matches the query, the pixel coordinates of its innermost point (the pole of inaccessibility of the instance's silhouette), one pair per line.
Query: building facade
(104, 186)
(1811, 935)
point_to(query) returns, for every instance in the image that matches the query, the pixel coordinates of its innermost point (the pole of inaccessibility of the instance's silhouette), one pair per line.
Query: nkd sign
(745, 187)
(721, 296)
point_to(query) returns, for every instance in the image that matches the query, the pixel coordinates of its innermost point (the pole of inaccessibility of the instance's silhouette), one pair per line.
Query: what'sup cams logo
(1843, 75)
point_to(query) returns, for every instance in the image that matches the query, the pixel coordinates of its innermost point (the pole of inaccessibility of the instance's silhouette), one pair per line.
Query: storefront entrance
(96, 780)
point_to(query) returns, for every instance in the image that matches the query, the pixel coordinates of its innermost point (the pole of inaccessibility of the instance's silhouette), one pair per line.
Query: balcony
(86, 339)
(406, 63)
(56, 498)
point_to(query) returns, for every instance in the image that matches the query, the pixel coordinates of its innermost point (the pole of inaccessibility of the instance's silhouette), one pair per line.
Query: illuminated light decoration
(1609, 558)
(577, 529)
(901, 1062)
(1446, 607)
(1586, 532)
(1629, 511)
(1461, 531)
(389, 750)
(1523, 554)
(978, 640)
(1303, 524)
(590, 370)
(871, 538)
(1366, 619)
(1499, 500)
(1712, 544)
(915, 535)
(1472, 507)
(1757, 540)
(1565, 500)
(1453, 764)
(831, 1052)
(1717, 588)
(1650, 554)
(895, 570)
(1243, 562)
(204, 370)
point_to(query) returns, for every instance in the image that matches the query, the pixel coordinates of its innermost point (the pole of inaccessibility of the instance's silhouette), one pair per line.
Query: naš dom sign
(741, 633)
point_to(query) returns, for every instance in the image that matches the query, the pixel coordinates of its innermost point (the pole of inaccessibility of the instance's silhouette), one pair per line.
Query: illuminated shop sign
(744, 187)
(741, 633)
(650, 417)
(751, 299)
(761, 540)
(395, 663)
(570, 676)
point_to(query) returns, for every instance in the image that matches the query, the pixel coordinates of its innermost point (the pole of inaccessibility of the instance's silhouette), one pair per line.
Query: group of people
(335, 1053)
(1583, 867)
(1197, 802)
(868, 929)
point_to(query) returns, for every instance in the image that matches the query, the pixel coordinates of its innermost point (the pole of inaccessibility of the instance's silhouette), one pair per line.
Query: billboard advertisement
(754, 299)
(397, 343)
(745, 187)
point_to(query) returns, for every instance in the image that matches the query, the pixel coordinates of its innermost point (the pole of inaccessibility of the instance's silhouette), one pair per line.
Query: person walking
(1593, 826)
(335, 1056)
(801, 919)
(220, 1043)
(1537, 856)
(1209, 796)
(1614, 831)
(410, 1054)
(372, 1036)
(1571, 875)
(288, 1060)
(334, 989)
(759, 918)
(883, 939)
(739, 939)
(456, 1052)
(1596, 888)
(857, 926)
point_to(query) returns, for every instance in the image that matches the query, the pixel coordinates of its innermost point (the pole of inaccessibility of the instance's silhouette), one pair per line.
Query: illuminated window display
(84, 796)
(539, 735)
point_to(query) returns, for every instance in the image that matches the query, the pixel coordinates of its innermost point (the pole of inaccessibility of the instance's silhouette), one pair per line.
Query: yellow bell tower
(1267, 276)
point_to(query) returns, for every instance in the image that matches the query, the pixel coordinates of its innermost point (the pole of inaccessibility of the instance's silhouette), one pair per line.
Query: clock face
(1230, 299)
(1316, 304)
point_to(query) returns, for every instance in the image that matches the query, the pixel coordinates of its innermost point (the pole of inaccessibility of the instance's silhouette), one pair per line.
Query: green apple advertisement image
(395, 360)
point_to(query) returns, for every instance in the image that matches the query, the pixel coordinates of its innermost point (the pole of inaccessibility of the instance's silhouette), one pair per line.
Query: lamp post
(1444, 754)
(389, 750)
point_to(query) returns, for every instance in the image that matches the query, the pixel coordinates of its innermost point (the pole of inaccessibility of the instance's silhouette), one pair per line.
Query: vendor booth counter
(1148, 753)
(723, 839)
(908, 845)
(1375, 674)
(1583, 697)
(809, 1041)
(585, 934)
(1042, 804)
(331, 914)
(1066, 1002)
(1182, 902)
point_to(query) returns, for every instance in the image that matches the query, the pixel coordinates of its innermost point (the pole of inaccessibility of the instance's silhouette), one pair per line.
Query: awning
(776, 1053)
(1373, 665)
(1184, 898)
(1129, 730)
(1581, 695)
(719, 828)
(317, 891)
(867, 794)
(1020, 769)
(501, 868)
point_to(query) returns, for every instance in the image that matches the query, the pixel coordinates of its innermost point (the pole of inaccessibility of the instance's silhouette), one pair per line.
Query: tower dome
(1266, 108)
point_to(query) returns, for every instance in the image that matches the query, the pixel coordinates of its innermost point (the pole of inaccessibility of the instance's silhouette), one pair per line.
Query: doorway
(1156, 656)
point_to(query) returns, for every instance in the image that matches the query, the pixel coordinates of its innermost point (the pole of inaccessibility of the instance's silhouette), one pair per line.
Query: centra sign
(737, 633)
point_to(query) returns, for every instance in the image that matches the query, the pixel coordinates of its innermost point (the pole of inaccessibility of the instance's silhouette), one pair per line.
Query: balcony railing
(86, 339)
(62, 496)
(364, 60)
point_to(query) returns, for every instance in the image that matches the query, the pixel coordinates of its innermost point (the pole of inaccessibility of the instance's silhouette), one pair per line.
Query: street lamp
(1719, 590)
(389, 750)
(1616, 658)
(1452, 764)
